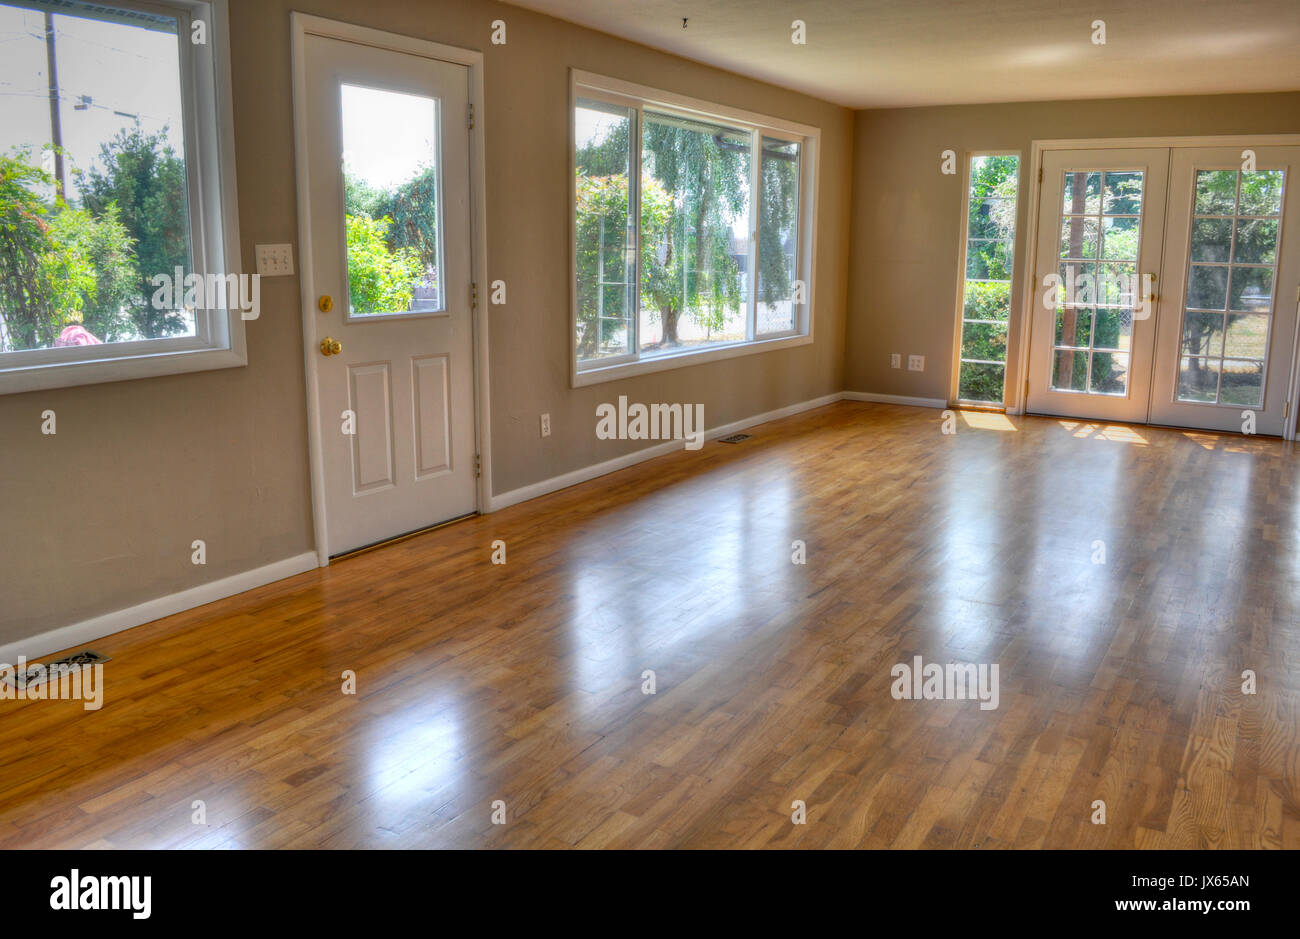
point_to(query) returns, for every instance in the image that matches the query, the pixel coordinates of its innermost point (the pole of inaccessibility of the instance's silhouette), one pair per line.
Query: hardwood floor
(1119, 681)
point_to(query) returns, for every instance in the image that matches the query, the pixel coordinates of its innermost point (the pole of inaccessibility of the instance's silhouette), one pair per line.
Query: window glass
(986, 291)
(95, 240)
(391, 187)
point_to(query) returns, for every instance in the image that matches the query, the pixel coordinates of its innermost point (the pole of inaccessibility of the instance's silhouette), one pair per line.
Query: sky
(123, 68)
(387, 135)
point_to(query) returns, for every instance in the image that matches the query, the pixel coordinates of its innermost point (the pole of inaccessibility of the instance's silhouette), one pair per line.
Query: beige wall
(100, 516)
(907, 215)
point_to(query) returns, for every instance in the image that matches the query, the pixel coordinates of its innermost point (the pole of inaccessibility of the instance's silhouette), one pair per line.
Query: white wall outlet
(275, 260)
(546, 425)
(895, 360)
(916, 363)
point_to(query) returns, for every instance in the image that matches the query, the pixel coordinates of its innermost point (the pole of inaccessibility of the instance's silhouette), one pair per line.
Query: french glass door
(1100, 227)
(1163, 293)
(1227, 327)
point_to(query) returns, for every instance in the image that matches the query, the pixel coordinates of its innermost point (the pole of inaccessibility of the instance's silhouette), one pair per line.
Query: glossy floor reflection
(1122, 579)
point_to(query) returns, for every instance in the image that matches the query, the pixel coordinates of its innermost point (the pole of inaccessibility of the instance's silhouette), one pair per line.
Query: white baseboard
(895, 399)
(555, 483)
(78, 634)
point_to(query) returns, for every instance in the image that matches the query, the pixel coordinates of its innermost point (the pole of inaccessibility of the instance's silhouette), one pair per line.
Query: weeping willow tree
(778, 216)
(704, 171)
(695, 204)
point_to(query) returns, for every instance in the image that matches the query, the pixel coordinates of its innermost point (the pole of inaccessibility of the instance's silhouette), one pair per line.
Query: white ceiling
(901, 53)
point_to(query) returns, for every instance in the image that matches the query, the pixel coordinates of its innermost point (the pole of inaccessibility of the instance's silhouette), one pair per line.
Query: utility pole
(56, 129)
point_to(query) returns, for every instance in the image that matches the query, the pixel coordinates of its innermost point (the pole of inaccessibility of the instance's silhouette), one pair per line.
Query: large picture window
(692, 235)
(116, 215)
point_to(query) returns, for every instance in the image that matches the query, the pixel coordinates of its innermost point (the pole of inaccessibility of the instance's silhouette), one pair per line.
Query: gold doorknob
(330, 346)
(325, 303)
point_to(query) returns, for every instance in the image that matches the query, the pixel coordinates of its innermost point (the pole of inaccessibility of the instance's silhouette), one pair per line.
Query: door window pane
(1247, 336)
(1211, 239)
(1216, 192)
(1242, 383)
(1203, 334)
(1207, 287)
(986, 292)
(604, 248)
(1080, 237)
(1109, 373)
(1074, 327)
(1082, 194)
(1256, 241)
(1113, 329)
(1198, 379)
(1252, 289)
(1120, 239)
(1070, 370)
(1123, 193)
(1261, 193)
(392, 195)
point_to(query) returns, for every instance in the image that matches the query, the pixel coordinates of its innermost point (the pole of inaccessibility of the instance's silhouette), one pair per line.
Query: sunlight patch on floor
(1116, 433)
(987, 420)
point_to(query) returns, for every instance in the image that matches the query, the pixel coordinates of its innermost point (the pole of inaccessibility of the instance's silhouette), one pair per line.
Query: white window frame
(638, 98)
(219, 340)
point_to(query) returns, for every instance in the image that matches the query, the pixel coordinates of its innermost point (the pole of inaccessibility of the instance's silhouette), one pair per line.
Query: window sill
(40, 377)
(597, 375)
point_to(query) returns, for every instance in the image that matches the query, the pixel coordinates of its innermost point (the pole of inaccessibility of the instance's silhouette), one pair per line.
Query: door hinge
(1040, 174)
(473, 295)
(1026, 390)
(478, 466)
(471, 115)
(1286, 410)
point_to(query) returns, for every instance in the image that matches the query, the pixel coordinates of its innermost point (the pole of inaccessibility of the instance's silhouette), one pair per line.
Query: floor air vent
(734, 438)
(35, 674)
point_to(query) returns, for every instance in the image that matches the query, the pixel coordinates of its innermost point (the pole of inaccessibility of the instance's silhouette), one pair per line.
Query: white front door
(1100, 237)
(1228, 316)
(390, 267)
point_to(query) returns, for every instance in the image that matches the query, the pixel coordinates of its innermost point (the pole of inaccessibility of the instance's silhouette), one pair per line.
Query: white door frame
(301, 26)
(1016, 396)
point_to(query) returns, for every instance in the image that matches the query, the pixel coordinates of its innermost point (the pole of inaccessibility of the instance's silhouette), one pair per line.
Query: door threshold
(398, 538)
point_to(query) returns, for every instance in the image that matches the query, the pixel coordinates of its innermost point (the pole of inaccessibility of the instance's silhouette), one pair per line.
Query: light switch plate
(895, 360)
(546, 425)
(916, 363)
(275, 260)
